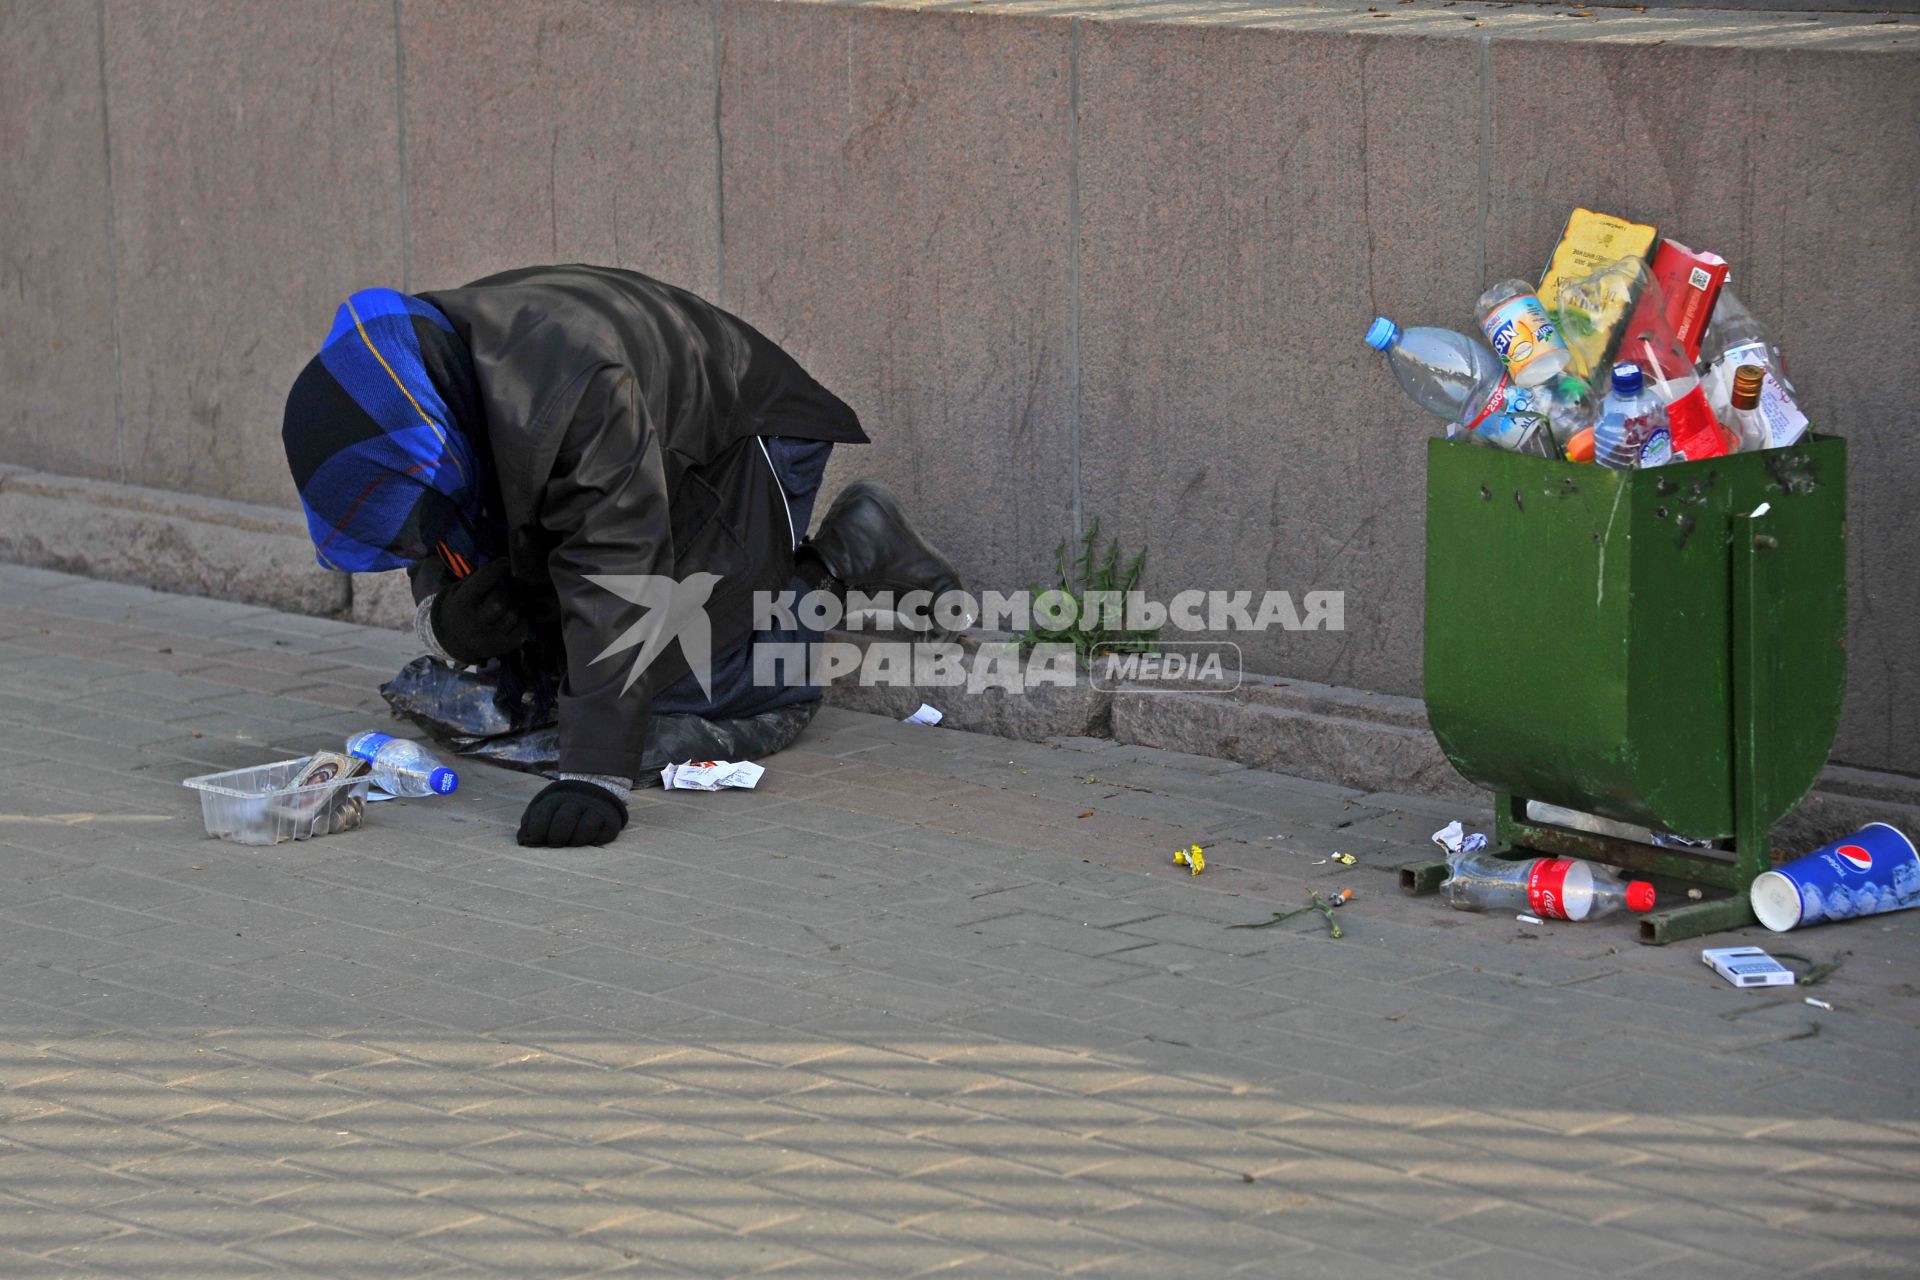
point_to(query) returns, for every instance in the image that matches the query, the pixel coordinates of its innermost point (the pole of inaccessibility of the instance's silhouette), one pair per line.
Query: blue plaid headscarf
(380, 432)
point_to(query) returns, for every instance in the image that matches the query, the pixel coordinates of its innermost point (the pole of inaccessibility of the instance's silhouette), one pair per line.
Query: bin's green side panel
(1578, 633)
(1680, 699)
(1527, 622)
(1683, 601)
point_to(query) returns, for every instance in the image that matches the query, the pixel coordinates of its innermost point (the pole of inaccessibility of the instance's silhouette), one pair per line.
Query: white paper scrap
(711, 775)
(925, 715)
(1454, 839)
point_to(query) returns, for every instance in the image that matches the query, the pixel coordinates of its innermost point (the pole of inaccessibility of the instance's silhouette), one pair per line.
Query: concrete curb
(173, 542)
(1349, 737)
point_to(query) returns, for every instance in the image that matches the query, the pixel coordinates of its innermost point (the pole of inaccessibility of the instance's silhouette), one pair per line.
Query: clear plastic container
(265, 804)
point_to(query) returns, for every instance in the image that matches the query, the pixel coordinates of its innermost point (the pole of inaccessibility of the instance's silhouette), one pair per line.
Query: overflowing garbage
(1633, 351)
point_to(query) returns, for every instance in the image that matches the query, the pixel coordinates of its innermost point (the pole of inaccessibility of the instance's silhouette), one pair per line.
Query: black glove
(572, 813)
(476, 618)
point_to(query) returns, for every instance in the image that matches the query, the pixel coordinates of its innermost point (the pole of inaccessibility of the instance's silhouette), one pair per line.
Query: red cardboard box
(1689, 283)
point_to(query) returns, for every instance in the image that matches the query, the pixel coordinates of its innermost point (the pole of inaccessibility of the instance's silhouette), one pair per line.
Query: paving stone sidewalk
(925, 1003)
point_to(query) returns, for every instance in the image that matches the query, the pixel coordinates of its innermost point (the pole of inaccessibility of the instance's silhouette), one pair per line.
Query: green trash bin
(1664, 647)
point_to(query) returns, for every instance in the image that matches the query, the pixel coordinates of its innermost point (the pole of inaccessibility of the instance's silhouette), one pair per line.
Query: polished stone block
(579, 131)
(57, 366)
(256, 181)
(897, 214)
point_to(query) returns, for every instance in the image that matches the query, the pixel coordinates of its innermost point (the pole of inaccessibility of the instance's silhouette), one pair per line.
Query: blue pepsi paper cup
(1873, 870)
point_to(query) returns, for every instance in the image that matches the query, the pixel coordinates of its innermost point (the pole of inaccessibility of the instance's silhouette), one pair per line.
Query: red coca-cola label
(1546, 887)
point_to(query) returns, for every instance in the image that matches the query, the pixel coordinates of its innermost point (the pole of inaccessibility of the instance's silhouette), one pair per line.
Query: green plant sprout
(1087, 574)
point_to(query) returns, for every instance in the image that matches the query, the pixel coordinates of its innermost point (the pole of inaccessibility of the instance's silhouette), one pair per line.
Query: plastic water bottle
(1449, 374)
(1522, 334)
(1551, 888)
(401, 767)
(1632, 431)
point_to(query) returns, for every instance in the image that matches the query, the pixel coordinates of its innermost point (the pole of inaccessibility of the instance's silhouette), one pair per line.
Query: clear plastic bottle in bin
(402, 767)
(1735, 338)
(1523, 335)
(1551, 888)
(1632, 431)
(1457, 378)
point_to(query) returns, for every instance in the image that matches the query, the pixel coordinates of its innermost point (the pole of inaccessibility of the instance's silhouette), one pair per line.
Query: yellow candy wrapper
(1194, 860)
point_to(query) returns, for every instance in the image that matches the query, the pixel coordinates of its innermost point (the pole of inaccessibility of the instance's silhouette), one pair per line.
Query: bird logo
(672, 609)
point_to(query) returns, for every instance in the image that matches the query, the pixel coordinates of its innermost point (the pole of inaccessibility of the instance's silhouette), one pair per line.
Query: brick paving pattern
(925, 1003)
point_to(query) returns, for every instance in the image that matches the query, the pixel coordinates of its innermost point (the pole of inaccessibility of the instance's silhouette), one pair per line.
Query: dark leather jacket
(621, 417)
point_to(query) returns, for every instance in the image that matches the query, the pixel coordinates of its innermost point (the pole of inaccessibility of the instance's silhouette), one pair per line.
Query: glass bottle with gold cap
(1746, 419)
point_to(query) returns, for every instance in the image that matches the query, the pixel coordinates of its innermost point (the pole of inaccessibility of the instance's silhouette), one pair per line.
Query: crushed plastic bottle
(1632, 431)
(1551, 888)
(402, 767)
(1451, 375)
(1523, 335)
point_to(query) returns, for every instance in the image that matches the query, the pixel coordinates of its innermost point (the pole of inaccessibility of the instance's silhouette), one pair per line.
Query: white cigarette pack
(1747, 967)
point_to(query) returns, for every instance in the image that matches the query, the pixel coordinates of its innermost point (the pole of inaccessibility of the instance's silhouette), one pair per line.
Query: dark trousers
(799, 466)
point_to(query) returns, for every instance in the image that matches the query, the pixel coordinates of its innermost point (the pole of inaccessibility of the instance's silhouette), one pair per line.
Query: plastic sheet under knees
(457, 708)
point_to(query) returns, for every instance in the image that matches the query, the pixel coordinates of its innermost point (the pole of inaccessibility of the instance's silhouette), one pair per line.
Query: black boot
(867, 545)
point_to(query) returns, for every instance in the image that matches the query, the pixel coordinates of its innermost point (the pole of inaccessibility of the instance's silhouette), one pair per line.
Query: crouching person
(589, 474)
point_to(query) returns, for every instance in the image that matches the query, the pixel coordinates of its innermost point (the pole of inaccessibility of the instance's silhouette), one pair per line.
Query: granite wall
(1069, 261)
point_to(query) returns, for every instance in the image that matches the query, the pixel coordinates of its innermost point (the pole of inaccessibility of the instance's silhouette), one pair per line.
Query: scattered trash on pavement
(1554, 888)
(1325, 907)
(1818, 1004)
(1874, 870)
(1454, 839)
(1524, 918)
(1747, 967)
(1192, 858)
(1816, 973)
(316, 795)
(402, 767)
(925, 715)
(711, 775)
(1344, 859)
